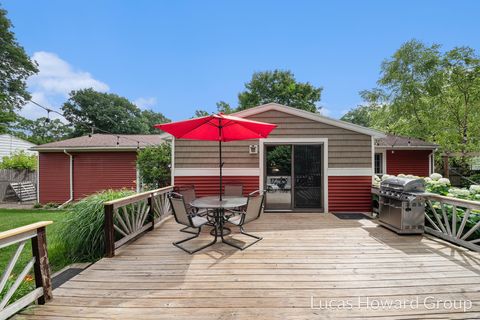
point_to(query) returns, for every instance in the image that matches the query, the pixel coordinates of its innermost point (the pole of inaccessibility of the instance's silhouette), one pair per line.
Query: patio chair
(252, 212)
(182, 217)
(233, 190)
(188, 193)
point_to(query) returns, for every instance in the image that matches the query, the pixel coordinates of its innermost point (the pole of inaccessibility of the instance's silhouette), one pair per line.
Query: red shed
(397, 154)
(74, 168)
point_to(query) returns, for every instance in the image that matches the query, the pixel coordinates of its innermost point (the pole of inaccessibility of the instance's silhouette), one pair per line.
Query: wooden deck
(304, 258)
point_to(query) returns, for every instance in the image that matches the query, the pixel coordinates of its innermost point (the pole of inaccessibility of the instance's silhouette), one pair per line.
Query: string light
(91, 127)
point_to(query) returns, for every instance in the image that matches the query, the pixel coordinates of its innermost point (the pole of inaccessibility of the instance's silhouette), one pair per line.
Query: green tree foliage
(361, 115)
(154, 165)
(41, 130)
(429, 94)
(201, 113)
(272, 86)
(151, 118)
(19, 161)
(107, 112)
(281, 87)
(15, 68)
(224, 107)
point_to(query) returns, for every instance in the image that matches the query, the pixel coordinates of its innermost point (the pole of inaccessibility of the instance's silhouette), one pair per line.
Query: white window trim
(324, 141)
(384, 161)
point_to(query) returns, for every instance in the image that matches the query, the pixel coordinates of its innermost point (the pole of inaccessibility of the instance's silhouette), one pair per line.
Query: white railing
(39, 262)
(128, 217)
(455, 220)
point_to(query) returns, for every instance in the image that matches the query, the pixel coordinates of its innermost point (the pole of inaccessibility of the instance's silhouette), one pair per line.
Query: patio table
(218, 206)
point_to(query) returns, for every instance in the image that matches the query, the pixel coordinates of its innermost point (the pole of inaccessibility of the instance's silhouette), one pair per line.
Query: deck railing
(39, 262)
(128, 217)
(454, 220)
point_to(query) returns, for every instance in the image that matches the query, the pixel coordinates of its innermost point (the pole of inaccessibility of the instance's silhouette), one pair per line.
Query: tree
(224, 107)
(154, 165)
(19, 161)
(41, 130)
(429, 94)
(15, 68)
(151, 118)
(361, 115)
(281, 87)
(201, 113)
(105, 111)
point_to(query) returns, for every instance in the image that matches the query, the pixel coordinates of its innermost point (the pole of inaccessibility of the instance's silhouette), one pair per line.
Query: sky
(178, 56)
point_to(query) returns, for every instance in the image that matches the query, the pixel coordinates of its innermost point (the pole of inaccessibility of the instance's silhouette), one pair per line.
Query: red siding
(205, 186)
(349, 194)
(96, 171)
(54, 174)
(414, 162)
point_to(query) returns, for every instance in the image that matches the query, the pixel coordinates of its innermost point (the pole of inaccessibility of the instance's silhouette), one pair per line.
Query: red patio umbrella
(218, 127)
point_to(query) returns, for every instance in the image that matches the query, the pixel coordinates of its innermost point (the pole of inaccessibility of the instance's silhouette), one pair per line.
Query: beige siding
(347, 149)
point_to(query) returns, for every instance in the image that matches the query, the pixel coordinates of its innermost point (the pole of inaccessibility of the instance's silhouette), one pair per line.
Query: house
(309, 162)
(10, 144)
(74, 168)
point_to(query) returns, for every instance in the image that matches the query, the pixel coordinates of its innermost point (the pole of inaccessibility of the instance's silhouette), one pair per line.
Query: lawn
(14, 218)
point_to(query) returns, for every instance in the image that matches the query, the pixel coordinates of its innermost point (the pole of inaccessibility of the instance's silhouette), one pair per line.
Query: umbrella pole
(221, 165)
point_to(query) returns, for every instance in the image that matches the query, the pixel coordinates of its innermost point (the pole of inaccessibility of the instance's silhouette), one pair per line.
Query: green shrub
(81, 234)
(37, 205)
(20, 161)
(154, 165)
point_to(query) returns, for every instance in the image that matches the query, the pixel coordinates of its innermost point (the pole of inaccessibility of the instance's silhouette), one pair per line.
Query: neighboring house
(327, 164)
(74, 168)
(396, 154)
(10, 144)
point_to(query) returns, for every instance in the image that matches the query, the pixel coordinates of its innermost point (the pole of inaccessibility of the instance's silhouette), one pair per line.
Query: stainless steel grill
(401, 205)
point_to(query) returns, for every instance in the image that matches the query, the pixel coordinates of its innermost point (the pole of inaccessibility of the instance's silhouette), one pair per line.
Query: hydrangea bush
(437, 184)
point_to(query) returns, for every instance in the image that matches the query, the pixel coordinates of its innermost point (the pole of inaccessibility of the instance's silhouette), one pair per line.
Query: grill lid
(403, 184)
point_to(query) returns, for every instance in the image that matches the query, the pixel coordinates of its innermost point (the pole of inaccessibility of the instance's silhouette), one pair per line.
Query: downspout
(71, 179)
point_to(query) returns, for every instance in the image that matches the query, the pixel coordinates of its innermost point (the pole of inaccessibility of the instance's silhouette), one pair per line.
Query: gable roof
(399, 142)
(106, 142)
(311, 116)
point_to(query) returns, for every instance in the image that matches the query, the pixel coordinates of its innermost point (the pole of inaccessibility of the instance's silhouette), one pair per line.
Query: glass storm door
(278, 173)
(293, 177)
(307, 176)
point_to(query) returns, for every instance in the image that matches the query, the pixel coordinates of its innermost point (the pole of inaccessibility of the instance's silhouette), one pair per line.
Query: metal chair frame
(242, 222)
(192, 225)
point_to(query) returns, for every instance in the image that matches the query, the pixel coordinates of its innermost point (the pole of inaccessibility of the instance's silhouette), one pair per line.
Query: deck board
(302, 256)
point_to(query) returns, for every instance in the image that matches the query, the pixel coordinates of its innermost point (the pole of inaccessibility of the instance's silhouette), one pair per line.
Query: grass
(14, 218)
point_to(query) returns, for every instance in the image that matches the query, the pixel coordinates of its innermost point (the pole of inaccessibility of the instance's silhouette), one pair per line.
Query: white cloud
(325, 112)
(54, 81)
(144, 103)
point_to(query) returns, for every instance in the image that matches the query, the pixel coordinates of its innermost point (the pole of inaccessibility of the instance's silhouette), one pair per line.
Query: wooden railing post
(151, 212)
(109, 231)
(41, 266)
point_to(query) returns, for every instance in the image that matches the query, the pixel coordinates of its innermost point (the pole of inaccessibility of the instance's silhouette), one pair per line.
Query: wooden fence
(39, 263)
(8, 176)
(454, 220)
(128, 217)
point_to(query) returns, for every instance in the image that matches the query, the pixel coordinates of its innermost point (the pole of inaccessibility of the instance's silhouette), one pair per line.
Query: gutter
(71, 179)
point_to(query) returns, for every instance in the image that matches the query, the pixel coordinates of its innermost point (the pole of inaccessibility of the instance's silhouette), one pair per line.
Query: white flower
(435, 176)
(444, 181)
(386, 176)
(457, 192)
(427, 179)
(475, 188)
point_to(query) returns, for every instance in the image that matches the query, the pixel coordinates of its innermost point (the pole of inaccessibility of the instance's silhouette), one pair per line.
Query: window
(379, 163)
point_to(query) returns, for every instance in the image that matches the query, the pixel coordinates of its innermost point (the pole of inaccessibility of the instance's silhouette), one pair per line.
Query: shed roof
(392, 142)
(106, 142)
